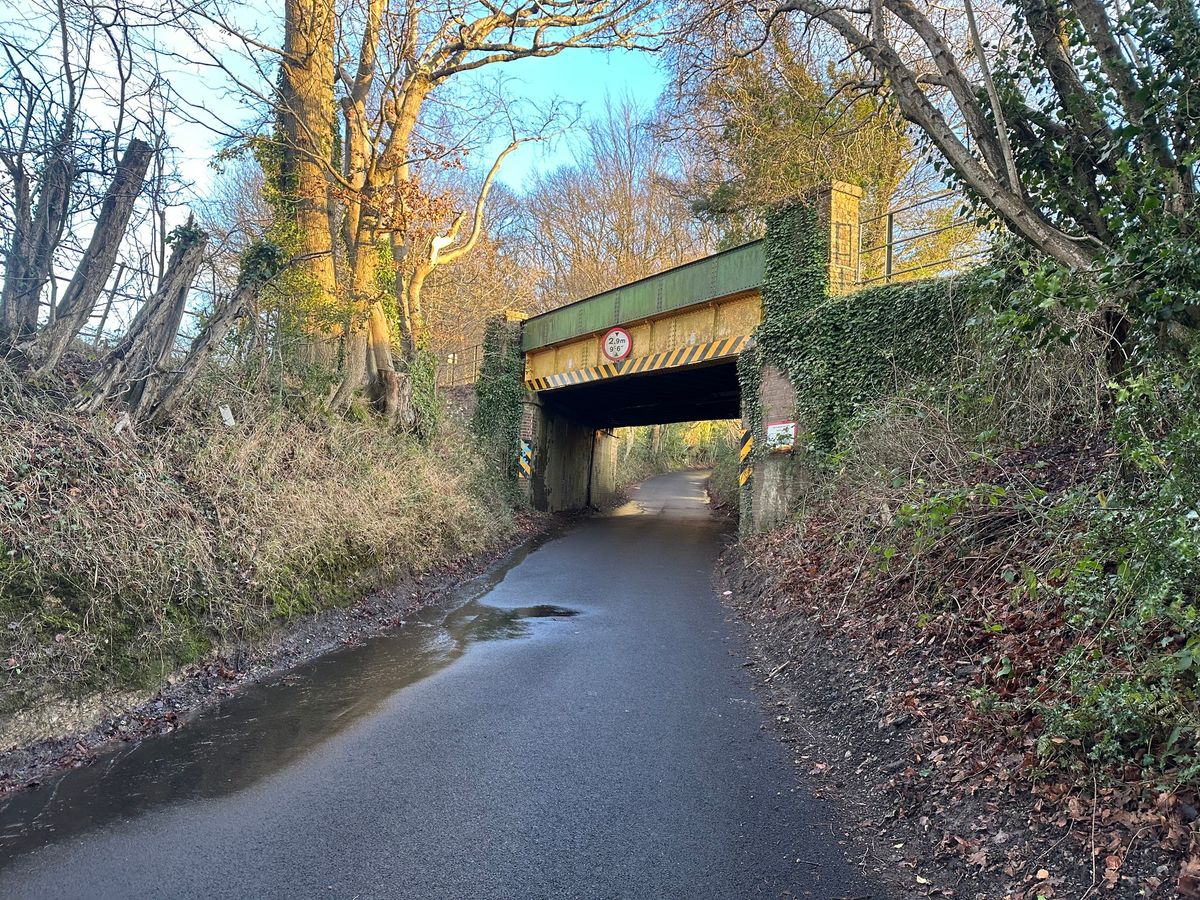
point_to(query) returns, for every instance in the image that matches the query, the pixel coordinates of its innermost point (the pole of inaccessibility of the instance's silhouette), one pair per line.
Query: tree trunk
(418, 333)
(306, 117)
(368, 360)
(148, 364)
(364, 264)
(79, 300)
(179, 382)
(11, 322)
(354, 368)
(31, 249)
(142, 344)
(1009, 204)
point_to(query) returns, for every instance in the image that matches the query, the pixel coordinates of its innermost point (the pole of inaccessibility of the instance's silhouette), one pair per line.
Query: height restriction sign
(616, 344)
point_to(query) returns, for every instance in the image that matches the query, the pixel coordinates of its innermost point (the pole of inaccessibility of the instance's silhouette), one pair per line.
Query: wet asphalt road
(579, 726)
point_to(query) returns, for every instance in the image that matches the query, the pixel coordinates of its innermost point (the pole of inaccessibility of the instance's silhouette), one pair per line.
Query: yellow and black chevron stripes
(746, 471)
(668, 359)
(526, 459)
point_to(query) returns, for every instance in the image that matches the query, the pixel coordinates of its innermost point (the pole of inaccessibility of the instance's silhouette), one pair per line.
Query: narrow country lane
(582, 728)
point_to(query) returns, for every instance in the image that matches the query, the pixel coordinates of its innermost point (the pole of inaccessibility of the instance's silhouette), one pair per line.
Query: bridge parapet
(727, 274)
(684, 316)
(689, 336)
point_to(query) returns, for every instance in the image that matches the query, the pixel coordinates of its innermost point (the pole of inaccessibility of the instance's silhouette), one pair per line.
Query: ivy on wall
(499, 393)
(796, 249)
(845, 351)
(857, 348)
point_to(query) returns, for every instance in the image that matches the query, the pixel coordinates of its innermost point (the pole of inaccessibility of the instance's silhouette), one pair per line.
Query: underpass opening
(694, 393)
(579, 437)
(568, 430)
(657, 351)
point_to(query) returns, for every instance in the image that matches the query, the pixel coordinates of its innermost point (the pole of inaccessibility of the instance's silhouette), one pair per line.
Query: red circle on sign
(616, 344)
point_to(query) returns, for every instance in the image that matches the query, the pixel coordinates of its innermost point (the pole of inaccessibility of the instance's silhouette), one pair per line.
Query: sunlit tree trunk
(306, 120)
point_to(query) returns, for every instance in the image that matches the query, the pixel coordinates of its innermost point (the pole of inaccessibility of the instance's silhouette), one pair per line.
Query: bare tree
(392, 62)
(761, 129)
(41, 157)
(461, 297)
(80, 126)
(1058, 140)
(614, 215)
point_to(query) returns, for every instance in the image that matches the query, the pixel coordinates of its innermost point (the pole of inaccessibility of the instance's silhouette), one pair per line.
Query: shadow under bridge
(660, 350)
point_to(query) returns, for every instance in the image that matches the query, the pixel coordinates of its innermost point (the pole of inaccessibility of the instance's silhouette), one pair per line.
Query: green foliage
(186, 234)
(1134, 686)
(860, 347)
(422, 376)
(1106, 573)
(843, 352)
(722, 485)
(909, 390)
(261, 262)
(653, 449)
(1105, 144)
(499, 393)
(796, 250)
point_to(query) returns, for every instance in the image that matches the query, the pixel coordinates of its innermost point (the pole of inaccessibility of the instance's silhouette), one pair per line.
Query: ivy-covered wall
(499, 393)
(842, 352)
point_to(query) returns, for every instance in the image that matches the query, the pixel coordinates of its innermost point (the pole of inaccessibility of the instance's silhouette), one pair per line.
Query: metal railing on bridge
(459, 367)
(926, 238)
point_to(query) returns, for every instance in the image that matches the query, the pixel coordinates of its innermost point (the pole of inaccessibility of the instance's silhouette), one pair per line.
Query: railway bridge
(659, 350)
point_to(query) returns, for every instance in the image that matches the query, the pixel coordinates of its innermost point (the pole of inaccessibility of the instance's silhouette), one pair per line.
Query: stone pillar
(837, 205)
(562, 457)
(604, 468)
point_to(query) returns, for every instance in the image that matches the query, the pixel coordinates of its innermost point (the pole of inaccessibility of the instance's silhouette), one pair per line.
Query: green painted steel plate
(720, 275)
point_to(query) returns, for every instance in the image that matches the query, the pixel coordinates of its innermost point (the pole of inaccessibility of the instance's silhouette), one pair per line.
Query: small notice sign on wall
(781, 437)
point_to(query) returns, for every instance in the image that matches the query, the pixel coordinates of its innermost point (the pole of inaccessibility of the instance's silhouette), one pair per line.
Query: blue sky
(582, 77)
(579, 77)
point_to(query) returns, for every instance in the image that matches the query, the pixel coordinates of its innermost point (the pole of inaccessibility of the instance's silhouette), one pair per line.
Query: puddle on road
(266, 726)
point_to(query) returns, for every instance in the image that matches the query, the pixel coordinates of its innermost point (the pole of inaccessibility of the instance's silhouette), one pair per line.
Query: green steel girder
(720, 275)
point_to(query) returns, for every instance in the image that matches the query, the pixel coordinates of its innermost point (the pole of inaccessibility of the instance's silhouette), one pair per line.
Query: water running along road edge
(103, 724)
(581, 726)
